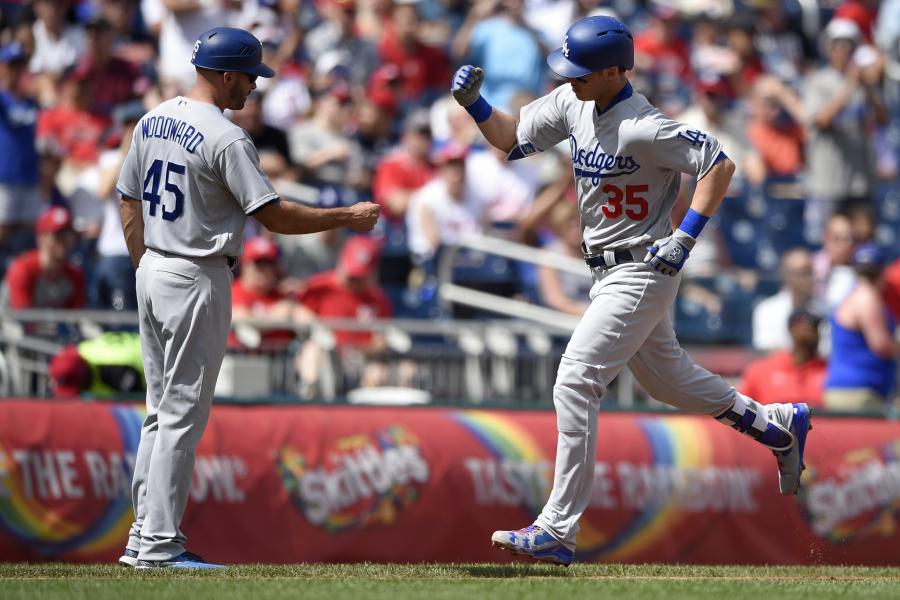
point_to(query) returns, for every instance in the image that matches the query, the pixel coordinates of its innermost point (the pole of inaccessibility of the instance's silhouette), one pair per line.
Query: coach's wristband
(693, 223)
(480, 110)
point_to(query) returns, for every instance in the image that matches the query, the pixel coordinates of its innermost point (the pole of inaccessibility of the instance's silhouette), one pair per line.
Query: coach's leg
(669, 375)
(151, 345)
(193, 303)
(627, 304)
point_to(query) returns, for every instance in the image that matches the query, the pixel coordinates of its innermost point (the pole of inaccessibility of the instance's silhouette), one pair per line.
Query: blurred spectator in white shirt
(770, 317)
(446, 209)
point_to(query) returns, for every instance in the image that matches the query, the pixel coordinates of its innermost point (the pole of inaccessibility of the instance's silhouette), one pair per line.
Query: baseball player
(188, 183)
(627, 160)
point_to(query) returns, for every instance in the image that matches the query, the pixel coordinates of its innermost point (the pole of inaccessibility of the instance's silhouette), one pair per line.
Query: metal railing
(506, 362)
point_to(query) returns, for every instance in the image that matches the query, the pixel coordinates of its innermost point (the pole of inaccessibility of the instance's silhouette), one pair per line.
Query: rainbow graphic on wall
(52, 535)
(679, 442)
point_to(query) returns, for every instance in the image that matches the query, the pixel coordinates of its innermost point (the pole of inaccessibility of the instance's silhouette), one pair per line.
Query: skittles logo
(856, 498)
(635, 506)
(362, 480)
(41, 497)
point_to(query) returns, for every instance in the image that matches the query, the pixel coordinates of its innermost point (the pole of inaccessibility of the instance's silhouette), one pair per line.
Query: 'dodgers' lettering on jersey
(173, 130)
(594, 164)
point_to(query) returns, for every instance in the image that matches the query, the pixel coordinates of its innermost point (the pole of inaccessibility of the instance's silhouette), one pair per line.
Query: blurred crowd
(804, 95)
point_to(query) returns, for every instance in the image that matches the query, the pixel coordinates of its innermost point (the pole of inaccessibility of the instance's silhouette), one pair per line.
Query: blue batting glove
(668, 255)
(466, 87)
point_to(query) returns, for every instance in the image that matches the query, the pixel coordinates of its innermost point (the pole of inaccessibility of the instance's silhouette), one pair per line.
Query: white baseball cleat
(534, 542)
(129, 558)
(790, 461)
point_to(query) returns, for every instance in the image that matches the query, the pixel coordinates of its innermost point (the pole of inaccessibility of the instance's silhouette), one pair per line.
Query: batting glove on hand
(466, 86)
(668, 254)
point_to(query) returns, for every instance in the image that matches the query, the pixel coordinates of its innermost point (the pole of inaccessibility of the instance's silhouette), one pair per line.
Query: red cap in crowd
(359, 256)
(450, 152)
(341, 92)
(69, 372)
(260, 248)
(716, 86)
(53, 219)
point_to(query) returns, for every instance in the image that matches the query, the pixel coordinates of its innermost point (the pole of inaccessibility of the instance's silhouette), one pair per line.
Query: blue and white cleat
(790, 461)
(534, 542)
(185, 560)
(129, 558)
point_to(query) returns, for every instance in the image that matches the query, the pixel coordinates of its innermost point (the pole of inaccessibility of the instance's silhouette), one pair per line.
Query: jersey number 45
(151, 189)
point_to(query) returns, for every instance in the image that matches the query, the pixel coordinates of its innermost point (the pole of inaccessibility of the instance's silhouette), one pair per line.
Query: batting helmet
(593, 44)
(230, 49)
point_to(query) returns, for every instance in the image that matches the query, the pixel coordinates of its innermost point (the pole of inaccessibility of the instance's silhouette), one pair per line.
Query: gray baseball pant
(184, 307)
(627, 323)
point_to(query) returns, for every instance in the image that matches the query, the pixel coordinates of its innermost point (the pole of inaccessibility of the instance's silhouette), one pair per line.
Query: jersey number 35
(151, 189)
(628, 201)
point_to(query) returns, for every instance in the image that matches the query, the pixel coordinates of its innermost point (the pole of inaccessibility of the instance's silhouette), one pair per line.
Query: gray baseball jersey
(626, 161)
(198, 177)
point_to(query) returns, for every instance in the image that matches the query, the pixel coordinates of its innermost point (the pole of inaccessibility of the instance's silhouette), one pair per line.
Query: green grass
(435, 582)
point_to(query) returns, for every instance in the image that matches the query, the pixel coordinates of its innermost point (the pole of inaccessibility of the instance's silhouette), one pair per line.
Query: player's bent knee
(576, 395)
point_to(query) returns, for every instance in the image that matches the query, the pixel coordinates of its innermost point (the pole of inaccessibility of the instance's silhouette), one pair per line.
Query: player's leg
(193, 305)
(671, 376)
(151, 345)
(624, 309)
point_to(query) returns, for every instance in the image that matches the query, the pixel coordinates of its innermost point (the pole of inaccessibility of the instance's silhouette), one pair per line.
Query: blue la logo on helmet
(230, 49)
(593, 44)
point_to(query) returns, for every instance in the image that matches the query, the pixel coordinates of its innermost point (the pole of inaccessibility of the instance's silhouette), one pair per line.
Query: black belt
(231, 261)
(599, 260)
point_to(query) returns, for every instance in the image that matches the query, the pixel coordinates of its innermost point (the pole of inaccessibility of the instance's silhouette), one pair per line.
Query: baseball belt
(609, 258)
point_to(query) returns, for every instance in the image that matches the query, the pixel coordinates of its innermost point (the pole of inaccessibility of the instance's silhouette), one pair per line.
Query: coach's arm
(130, 210)
(285, 217)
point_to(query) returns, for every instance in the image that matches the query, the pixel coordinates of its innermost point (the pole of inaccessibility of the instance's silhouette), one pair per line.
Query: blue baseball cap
(868, 255)
(11, 52)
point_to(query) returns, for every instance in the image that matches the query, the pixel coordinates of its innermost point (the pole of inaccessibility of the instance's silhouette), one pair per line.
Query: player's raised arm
(497, 127)
(287, 217)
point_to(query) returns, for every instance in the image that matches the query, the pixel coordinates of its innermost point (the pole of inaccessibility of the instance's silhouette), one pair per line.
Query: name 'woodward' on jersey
(197, 175)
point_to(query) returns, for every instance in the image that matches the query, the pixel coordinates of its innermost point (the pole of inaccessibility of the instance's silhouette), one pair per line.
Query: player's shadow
(514, 570)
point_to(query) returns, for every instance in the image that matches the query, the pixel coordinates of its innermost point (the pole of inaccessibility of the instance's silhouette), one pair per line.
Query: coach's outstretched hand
(364, 216)
(668, 254)
(466, 87)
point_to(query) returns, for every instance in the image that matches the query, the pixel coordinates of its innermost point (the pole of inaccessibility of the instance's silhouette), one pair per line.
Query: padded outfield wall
(279, 484)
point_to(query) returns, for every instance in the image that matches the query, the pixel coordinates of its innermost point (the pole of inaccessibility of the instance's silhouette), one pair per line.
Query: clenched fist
(363, 216)
(466, 87)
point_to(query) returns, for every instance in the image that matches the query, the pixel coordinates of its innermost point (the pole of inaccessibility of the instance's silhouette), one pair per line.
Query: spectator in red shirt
(892, 289)
(404, 170)
(71, 126)
(44, 278)
(775, 128)
(115, 81)
(659, 48)
(795, 375)
(349, 292)
(423, 68)
(255, 295)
